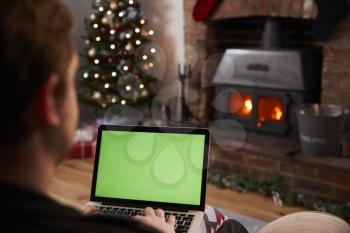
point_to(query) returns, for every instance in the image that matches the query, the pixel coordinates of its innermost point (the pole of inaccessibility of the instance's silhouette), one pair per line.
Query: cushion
(307, 222)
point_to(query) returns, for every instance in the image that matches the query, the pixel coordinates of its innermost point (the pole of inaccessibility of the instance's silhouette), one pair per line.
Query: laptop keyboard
(183, 220)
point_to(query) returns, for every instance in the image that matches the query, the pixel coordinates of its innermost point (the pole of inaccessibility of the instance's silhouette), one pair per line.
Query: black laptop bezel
(142, 204)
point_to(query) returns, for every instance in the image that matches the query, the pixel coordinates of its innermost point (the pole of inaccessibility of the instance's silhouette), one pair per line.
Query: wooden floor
(72, 182)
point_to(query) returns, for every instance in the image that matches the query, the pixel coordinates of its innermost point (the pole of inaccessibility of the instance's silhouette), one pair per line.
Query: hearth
(261, 87)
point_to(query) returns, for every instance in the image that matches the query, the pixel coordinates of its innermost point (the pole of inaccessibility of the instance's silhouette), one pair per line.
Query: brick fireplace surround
(325, 178)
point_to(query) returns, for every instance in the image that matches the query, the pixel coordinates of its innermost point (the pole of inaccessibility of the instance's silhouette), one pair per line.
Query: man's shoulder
(26, 211)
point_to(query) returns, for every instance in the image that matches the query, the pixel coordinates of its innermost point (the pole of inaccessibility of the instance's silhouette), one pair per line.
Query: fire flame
(247, 106)
(278, 113)
(270, 108)
(241, 104)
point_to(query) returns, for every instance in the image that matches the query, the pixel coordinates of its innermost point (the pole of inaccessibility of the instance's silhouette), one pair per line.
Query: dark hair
(34, 44)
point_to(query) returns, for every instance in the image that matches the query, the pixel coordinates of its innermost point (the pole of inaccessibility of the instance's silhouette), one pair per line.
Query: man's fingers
(90, 209)
(139, 218)
(171, 220)
(160, 213)
(149, 211)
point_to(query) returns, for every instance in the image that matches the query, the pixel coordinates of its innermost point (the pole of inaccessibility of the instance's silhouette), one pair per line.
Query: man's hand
(88, 209)
(156, 219)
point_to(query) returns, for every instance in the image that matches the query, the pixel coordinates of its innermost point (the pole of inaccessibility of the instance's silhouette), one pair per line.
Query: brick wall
(329, 183)
(195, 36)
(284, 8)
(336, 73)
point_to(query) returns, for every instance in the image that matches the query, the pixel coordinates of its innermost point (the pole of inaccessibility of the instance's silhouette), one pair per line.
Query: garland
(280, 193)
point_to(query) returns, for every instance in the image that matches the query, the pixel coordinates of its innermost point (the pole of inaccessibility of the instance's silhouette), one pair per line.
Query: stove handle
(288, 103)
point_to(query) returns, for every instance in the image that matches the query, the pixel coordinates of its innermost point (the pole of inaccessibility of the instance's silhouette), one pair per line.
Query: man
(39, 115)
(38, 64)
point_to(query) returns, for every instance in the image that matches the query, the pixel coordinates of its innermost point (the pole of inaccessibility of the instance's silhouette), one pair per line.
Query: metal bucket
(320, 128)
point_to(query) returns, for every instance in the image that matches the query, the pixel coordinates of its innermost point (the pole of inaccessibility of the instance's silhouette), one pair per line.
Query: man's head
(37, 68)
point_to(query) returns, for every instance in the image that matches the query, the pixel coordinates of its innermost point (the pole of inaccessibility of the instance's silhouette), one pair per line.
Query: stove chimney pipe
(272, 34)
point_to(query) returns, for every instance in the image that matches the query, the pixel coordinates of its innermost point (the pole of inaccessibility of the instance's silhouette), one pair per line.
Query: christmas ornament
(113, 5)
(121, 35)
(132, 13)
(121, 4)
(92, 52)
(128, 86)
(144, 93)
(128, 47)
(92, 17)
(105, 20)
(97, 95)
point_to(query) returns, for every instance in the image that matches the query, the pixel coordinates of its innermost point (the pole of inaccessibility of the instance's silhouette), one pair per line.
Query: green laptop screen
(145, 166)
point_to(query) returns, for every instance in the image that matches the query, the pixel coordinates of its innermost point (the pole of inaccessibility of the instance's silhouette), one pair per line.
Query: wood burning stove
(260, 88)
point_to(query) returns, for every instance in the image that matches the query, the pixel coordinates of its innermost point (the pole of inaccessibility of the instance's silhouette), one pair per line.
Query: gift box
(83, 150)
(84, 143)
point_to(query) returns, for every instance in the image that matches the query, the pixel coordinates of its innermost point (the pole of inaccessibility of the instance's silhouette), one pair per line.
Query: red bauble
(203, 8)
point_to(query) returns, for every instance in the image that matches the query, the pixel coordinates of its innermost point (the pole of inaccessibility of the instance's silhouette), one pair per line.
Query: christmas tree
(118, 63)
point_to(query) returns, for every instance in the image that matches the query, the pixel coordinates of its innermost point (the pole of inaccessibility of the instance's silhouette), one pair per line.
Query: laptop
(161, 167)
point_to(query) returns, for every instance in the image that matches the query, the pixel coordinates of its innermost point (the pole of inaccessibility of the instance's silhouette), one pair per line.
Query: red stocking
(203, 8)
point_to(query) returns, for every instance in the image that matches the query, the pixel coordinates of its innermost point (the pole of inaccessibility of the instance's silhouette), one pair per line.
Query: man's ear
(45, 104)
